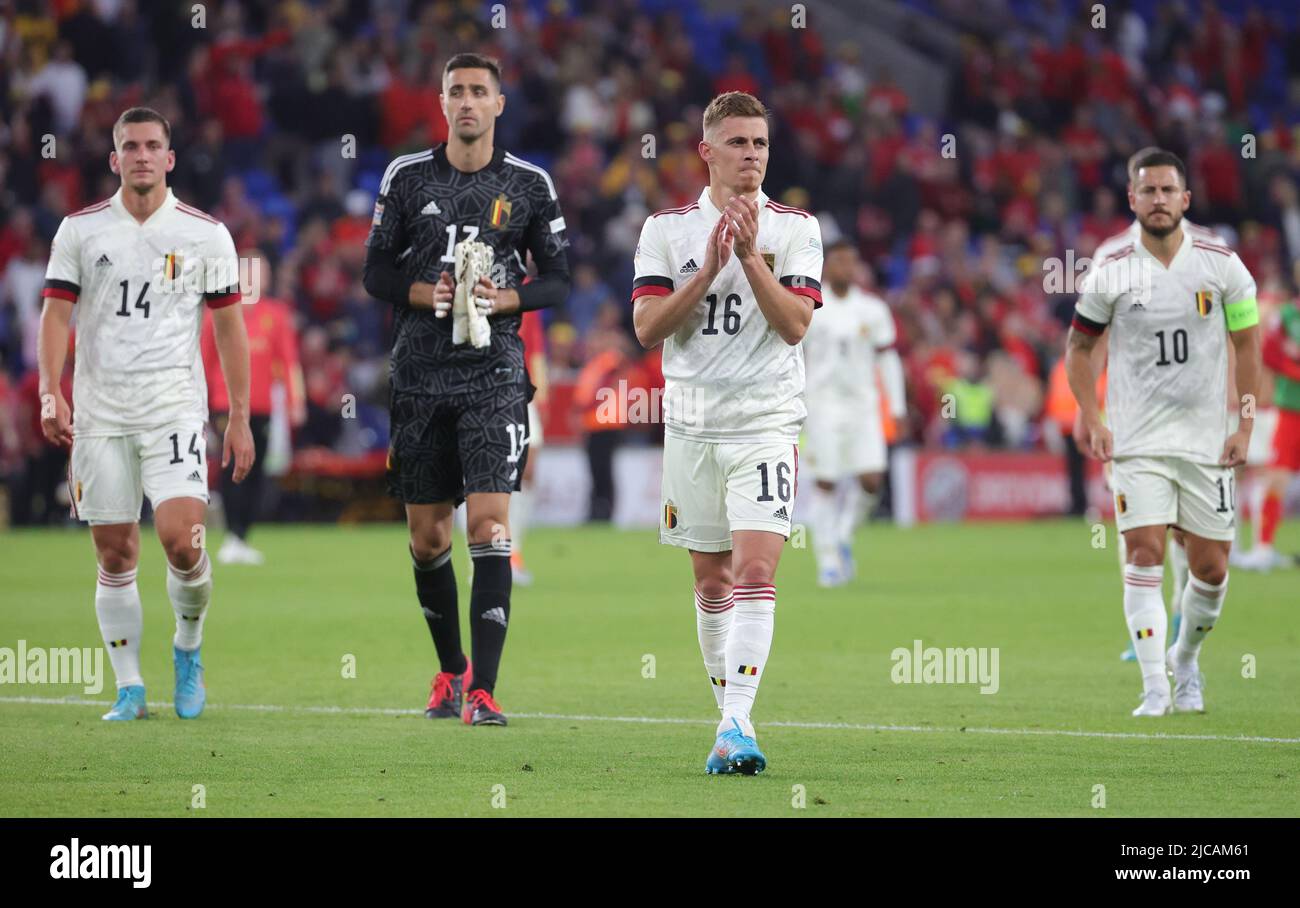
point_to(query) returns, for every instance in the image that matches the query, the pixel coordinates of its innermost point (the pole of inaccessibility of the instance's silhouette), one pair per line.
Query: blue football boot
(191, 693)
(130, 705)
(734, 751)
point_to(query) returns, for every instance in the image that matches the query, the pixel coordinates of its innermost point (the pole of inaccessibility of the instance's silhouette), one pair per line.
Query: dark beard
(1161, 232)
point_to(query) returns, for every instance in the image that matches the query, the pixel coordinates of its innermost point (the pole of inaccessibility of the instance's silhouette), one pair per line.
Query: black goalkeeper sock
(435, 585)
(489, 606)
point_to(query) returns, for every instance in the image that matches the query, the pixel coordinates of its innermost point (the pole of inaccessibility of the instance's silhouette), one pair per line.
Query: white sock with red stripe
(1144, 610)
(748, 644)
(121, 619)
(1202, 604)
(189, 591)
(712, 622)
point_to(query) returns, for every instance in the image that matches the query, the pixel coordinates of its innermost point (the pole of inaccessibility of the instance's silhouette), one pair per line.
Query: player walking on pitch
(729, 283)
(847, 455)
(139, 267)
(460, 412)
(1173, 300)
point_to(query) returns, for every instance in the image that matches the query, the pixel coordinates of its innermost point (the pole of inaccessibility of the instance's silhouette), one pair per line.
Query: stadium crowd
(285, 114)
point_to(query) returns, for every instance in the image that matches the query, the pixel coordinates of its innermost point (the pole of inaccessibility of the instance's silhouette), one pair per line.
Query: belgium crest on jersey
(499, 214)
(1204, 302)
(769, 259)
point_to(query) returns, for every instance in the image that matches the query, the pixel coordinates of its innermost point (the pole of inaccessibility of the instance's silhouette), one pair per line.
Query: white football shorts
(1155, 491)
(712, 488)
(109, 474)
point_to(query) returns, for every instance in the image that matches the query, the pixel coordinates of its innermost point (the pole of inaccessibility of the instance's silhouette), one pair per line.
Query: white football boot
(1189, 686)
(1154, 703)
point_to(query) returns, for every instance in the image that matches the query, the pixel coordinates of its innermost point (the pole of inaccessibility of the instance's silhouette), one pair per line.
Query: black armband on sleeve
(383, 279)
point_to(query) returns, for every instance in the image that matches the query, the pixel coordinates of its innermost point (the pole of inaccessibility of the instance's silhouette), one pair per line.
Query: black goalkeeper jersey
(425, 207)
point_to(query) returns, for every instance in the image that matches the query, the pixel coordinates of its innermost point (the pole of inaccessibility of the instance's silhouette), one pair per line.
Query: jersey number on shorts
(1179, 344)
(782, 482)
(140, 301)
(730, 316)
(517, 440)
(1227, 501)
(176, 449)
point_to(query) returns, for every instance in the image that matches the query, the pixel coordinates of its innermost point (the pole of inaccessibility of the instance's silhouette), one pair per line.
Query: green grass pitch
(286, 733)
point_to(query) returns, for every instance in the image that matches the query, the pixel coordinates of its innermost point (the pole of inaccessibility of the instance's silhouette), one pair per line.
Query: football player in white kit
(1176, 554)
(728, 283)
(845, 450)
(138, 268)
(1172, 300)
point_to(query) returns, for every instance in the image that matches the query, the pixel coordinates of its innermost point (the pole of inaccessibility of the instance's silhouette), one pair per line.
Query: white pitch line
(653, 720)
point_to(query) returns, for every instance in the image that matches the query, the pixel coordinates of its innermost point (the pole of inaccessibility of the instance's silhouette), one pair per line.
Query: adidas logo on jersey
(781, 514)
(497, 614)
(195, 477)
(431, 208)
(1137, 307)
(103, 260)
(689, 268)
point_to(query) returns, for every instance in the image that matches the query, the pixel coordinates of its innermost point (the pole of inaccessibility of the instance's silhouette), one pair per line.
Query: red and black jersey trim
(651, 286)
(222, 298)
(1087, 325)
(194, 212)
(61, 290)
(685, 209)
(786, 209)
(804, 286)
(1212, 247)
(91, 209)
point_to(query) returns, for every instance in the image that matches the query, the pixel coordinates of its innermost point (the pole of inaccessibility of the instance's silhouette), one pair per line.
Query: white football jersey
(728, 375)
(841, 351)
(1168, 347)
(140, 291)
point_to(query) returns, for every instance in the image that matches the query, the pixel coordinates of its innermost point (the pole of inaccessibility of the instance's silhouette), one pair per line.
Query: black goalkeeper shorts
(448, 446)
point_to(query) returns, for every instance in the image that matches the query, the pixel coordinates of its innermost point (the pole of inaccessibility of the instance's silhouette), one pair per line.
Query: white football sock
(748, 644)
(712, 622)
(856, 507)
(824, 523)
(1144, 610)
(1202, 604)
(189, 591)
(121, 620)
(521, 504)
(1178, 564)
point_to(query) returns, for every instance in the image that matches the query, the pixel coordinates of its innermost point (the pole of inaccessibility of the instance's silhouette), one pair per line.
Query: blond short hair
(732, 104)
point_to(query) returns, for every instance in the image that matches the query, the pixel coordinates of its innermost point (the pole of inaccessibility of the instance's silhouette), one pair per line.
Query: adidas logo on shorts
(103, 260)
(497, 614)
(195, 477)
(689, 268)
(781, 514)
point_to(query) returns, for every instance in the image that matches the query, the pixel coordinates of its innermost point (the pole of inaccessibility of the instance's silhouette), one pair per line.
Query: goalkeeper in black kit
(452, 229)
